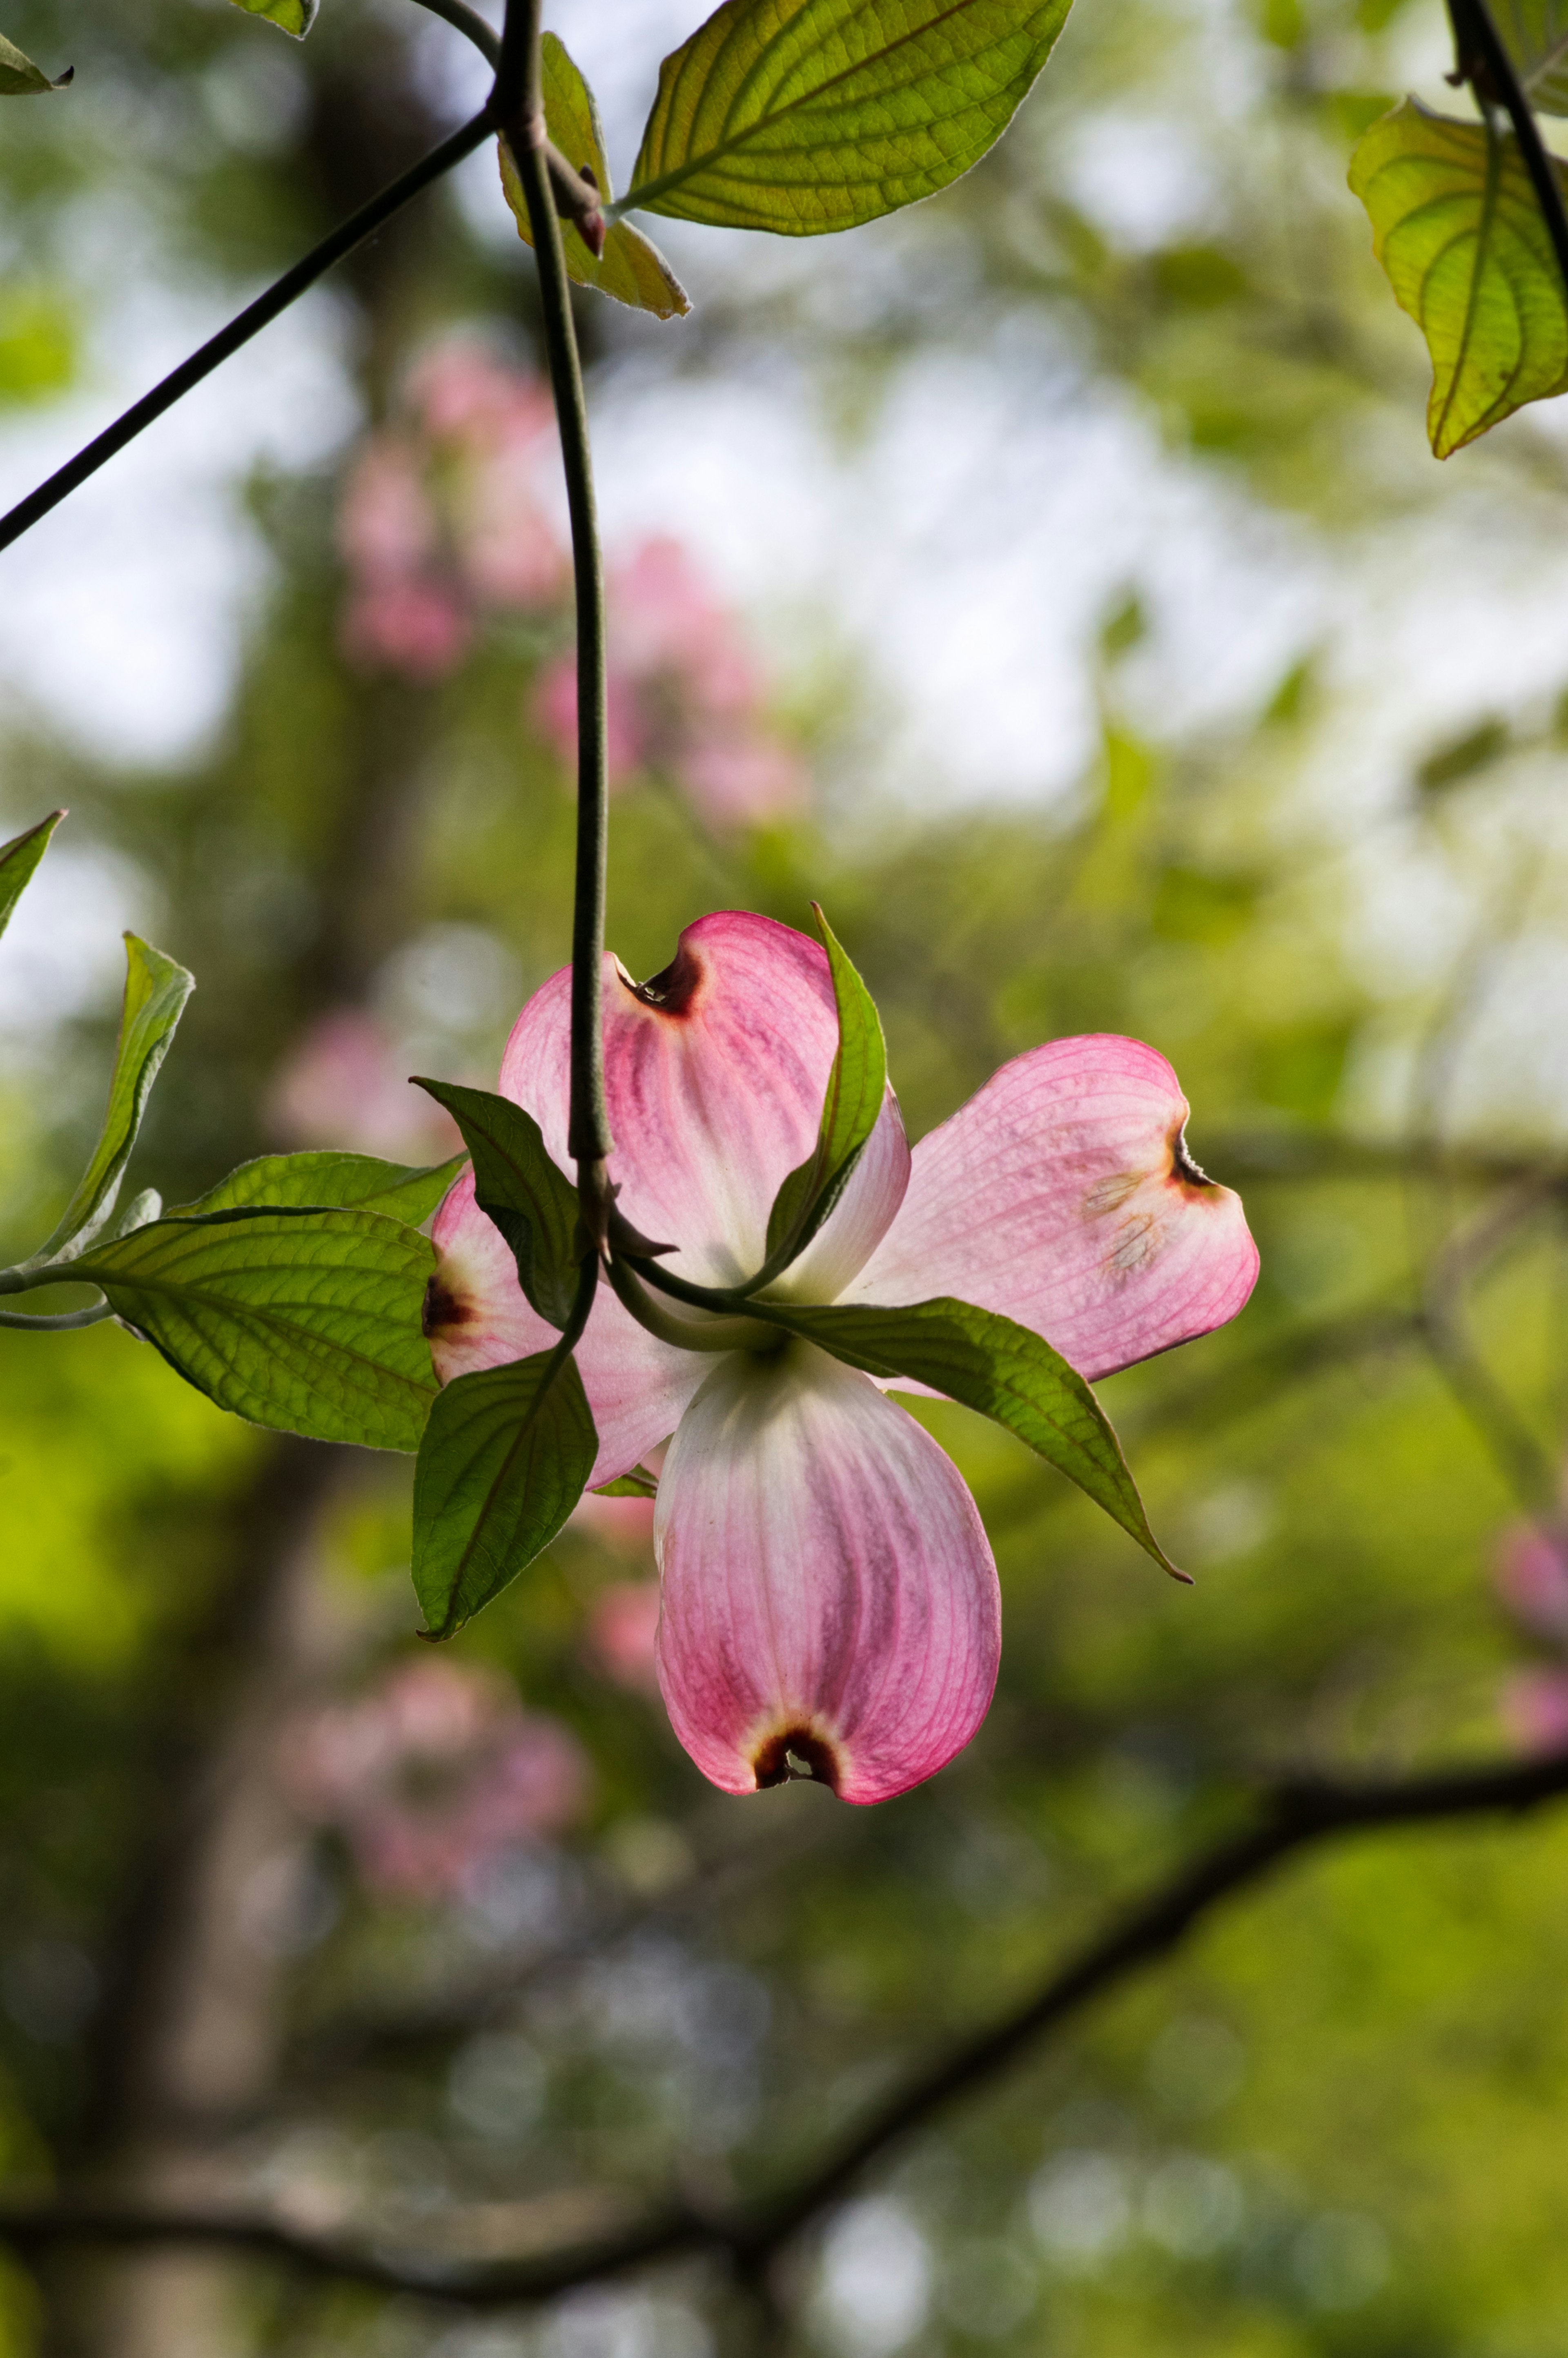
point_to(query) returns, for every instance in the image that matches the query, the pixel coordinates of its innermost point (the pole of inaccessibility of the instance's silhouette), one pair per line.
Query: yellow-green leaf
(805, 115)
(631, 268)
(20, 77)
(1456, 226)
(295, 17)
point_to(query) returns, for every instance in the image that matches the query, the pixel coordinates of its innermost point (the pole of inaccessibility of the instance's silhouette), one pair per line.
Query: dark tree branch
(1290, 1816)
(240, 330)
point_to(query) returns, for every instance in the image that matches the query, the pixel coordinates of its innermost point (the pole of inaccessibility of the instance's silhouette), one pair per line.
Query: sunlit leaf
(306, 1320)
(1535, 34)
(631, 268)
(155, 993)
(856, 1087)
(20, 77)
(505, 1460)
(805, 115)
(531, 1200)
(638, 1484)
(295, 17)
(1003, 1369)
(346, 1182)
(19, 859)
(1456, 226)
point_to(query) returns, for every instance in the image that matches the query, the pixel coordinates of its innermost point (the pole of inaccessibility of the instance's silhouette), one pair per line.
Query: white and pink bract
(828, 1594)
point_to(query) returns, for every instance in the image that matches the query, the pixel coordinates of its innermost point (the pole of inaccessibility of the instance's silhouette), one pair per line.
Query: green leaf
(631, 268)
(1456, 226)
(504, 1459)
(638, 1484)
(1535, 34)
(20, 77)
(999, 1367)
(295, 17)
(306, 1320)
(19, 859)
(531, 1200)
(155, 993)
(856, 1087)
(360, 1182)
(805, 115)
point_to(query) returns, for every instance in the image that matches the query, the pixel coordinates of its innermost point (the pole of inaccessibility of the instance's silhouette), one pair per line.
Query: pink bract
(829, 1594)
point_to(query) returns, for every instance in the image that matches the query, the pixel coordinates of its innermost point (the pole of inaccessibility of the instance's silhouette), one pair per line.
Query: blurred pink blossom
(624, 1524)
(344, 1086)
(432, 1773)
(442, 519)
(685, 696)
(1531, 1569)
(1535, 1710)
(622, 1630)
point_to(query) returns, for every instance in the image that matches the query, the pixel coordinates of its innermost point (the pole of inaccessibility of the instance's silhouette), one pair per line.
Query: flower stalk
(518, 101)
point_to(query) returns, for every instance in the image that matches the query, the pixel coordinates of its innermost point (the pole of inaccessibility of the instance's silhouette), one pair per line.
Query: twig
(246, 324)
(1292, 1815)
(1481, 60)
(469, 22)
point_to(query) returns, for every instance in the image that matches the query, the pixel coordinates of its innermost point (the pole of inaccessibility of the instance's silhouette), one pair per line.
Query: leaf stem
(246, 324)
(60, 1322)
(468, 22)
(518, 104)
(1482, 59)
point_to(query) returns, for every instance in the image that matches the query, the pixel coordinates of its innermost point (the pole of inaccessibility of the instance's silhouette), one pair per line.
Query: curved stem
(59, 1321)
(518, 104)
(469, 22)
(246, 324)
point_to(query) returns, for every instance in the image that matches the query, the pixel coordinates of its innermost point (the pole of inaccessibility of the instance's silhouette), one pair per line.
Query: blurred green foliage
(1333, 2128)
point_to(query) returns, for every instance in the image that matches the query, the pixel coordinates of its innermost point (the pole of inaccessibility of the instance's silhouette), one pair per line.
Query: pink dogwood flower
(1531, 1568)
(828, 1594)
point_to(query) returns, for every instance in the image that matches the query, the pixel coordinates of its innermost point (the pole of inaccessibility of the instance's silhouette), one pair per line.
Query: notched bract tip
(797, 1755)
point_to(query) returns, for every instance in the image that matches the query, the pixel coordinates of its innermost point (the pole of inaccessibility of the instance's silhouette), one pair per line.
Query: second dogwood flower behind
(829, 1594)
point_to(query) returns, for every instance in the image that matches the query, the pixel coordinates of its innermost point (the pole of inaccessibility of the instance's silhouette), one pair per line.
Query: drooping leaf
(1456, 226)
(638, 1484)
(856, 1087)
(1003, 1369)
(805, 115)
(1535, 34)
(505, 1460)
(295, 17)
(20, 77)
(344, 1182)
(19, 859)
(306, 1321)
(155, 993)
(631, 268)
(531, 1200)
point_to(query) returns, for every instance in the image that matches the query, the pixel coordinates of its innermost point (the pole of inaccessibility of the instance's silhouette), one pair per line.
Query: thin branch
(519, 105)
(59, 1321)
(1482, 59)
(469, 22)
(1290, 1816)
(248, 323)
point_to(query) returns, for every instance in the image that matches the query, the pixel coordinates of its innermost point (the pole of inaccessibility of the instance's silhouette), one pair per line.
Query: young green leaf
(20, 77)
(1535, 34)
(155, 993)
(805, 115)
(638, 1484)
(1456, 226)
(19, 859)
(631, 268)
(856, 1087)
(531, 1200)
(1002, 1368)
(306, 1321)
(295, 17)
(505, 1460)
(343, 1182)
